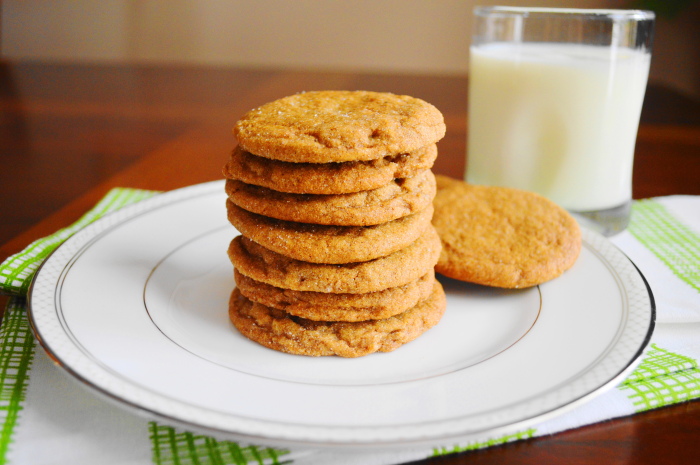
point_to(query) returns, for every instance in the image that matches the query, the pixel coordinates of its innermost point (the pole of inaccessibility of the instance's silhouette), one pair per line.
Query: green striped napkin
(46, 419)
(17, 271)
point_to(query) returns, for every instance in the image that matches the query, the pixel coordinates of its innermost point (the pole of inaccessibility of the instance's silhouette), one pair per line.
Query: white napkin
(48, 418)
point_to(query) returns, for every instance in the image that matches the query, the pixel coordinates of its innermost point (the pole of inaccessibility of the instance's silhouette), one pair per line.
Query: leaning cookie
(339, 126)
(327, 178)
(329, 244)
(399, 268)
(279, 331)
(322, 306)
(396, 199)
(502, 237)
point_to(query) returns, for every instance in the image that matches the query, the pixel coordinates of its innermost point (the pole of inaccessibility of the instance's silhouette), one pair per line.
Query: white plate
(135, 307)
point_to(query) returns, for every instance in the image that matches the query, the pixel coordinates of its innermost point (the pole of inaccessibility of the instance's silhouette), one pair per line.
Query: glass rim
(619, 14)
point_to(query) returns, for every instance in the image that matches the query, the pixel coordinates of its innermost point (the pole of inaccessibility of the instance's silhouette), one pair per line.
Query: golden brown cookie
(398, 198)
(327, 178)
(329, 244)
(321, 306)
(397, 269)
(502, 237)
(339, 126)
(280, 331)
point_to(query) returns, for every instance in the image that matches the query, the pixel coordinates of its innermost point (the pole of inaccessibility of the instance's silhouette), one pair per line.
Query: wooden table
(69, 133)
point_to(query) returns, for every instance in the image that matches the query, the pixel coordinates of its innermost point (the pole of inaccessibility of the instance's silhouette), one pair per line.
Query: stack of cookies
(332, 193)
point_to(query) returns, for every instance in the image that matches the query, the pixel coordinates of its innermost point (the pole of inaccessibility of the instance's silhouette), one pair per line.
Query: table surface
(69, 133)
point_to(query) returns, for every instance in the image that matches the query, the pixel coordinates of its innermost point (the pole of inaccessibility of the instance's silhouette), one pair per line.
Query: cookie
(399, 268)
(327, 178)
(339, 126)
(329, 244)
(279, 331)
(502, 237)
(398, 198)
(321, 306)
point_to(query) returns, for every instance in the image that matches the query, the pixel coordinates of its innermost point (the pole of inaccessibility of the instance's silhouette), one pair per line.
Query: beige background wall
(429, 36)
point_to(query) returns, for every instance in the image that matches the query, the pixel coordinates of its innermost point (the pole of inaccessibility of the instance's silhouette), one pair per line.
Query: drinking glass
(555, 97)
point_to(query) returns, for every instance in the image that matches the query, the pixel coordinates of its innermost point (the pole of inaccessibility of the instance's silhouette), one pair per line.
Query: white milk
(557, 119)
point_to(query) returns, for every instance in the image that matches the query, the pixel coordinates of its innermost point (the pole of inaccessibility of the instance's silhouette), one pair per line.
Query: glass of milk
(554, 102)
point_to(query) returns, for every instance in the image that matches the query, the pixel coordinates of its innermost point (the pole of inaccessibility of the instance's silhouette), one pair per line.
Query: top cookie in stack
(332, 193)
(339, 126)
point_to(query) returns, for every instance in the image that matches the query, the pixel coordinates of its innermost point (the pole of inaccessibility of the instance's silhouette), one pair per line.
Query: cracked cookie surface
(321, 306)
(396, 199)
(279, 331)
(327, 178)
(502, 237)
(399, 268)
(329, 244)
(339, 126)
